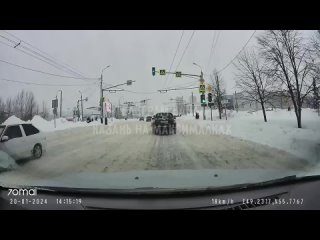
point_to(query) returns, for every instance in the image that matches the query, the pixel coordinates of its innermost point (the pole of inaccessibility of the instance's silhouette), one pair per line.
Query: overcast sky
(131, 55)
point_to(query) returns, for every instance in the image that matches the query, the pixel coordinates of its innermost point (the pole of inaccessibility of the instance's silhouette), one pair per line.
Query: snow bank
(280, 131)
(49, 126)
(61, 124)
(13, 120)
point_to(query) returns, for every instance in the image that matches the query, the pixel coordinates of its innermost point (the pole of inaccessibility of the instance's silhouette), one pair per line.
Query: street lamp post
(81, 106)
(101, 93)
(60, 102)
(128, 83)
(202, 80)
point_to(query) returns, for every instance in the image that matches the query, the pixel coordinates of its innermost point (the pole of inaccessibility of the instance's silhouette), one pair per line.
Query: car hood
(164, 179)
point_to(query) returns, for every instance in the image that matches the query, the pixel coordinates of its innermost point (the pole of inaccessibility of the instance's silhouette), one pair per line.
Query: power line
(174, 57)
(139, 92)
(55, 60)
(27, 53)
(185, 49)
(238, 53)
(45, 84)
(48, 60)
(51, 74)
(40, 50)
(215, 38)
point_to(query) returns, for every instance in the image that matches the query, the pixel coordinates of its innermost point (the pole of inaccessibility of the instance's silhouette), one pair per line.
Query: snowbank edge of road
(48, 126)
(279, 132)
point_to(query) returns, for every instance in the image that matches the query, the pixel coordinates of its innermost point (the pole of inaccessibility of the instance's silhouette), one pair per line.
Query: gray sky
(131, 55)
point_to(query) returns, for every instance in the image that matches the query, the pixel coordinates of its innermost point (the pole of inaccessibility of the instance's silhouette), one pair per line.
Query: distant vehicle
(148, 119)
(163, 123)
(92, 117)
(141, 119)
(22, 141)
(70, 119)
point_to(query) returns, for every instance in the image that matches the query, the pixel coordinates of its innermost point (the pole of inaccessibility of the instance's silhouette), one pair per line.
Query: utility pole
(101, 93)
(81, 107)
(204, 106)
(192, 104)
(60, 103)
(101, 99)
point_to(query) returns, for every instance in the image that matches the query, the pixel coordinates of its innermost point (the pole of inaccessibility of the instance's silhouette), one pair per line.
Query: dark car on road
(141, 119)
(163, 123)
(148, 119)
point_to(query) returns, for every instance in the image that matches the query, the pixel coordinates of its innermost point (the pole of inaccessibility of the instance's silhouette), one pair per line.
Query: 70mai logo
(22, 192)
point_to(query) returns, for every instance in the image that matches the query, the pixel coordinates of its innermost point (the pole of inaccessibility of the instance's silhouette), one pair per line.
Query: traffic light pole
(101, 99)
(192, 104)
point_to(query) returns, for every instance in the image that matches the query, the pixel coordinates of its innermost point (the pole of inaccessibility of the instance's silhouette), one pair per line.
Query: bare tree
(2, 111)
(9, 106)
(219, 91)
(30, 106)
(253, 81)
(45, 110)
(19, 104)
(287, 58)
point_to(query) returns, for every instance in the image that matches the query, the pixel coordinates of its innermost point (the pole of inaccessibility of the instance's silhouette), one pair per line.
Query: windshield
(1, 129)
(158, 109)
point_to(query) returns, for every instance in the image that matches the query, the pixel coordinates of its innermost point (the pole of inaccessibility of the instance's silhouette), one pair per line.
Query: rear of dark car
(164, 123)
(148, 119)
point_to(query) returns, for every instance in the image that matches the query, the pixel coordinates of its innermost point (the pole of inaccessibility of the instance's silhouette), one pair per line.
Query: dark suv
(163, 123)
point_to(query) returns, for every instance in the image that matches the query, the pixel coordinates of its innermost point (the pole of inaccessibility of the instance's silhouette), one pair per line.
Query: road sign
(202, 88)
(209, 88)
(162, 72)
(54, 103)
(107, 107)
(178, 74)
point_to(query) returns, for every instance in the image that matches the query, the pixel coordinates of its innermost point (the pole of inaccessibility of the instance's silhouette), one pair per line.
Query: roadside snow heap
(48, 126)
(280, 131)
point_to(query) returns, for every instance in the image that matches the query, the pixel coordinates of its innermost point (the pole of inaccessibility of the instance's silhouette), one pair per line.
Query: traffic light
(203, 99)
(210, 97)
(153, 71)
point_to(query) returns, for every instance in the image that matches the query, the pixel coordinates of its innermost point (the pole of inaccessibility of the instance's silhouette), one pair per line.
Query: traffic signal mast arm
(175, 89)
(105, 89)
(183, 74)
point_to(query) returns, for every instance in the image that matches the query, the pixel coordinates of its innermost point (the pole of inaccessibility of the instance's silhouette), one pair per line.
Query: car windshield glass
(121, 109)
(1, 129)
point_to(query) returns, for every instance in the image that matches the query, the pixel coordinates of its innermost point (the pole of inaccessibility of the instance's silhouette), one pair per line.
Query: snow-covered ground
(280, 131)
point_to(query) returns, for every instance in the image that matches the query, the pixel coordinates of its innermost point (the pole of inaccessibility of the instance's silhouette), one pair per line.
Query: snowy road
(107, 149)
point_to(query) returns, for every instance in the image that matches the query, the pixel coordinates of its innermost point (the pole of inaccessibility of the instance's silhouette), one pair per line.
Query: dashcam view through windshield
(169, 110)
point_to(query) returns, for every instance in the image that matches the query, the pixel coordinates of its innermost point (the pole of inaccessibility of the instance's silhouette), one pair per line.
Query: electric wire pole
(192, 104)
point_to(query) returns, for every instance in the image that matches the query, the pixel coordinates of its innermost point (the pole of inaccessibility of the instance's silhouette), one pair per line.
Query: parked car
(141, 119)
(148, 119)
(22, 141)
(163, 123)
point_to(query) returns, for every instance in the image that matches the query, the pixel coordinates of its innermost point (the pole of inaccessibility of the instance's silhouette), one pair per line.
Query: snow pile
(49, 126)
(61, 124)
(280, 131)
(13, 120)
(41, 123)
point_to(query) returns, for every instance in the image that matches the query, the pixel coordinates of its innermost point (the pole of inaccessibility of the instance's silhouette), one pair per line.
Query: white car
(22, 141)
